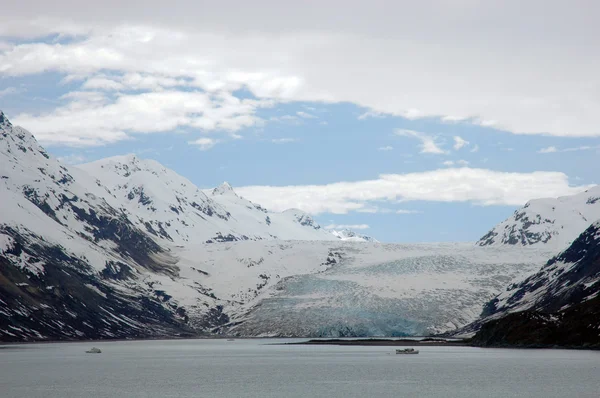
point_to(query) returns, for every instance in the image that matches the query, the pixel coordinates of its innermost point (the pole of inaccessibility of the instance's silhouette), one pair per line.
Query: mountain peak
(224, 189)
(129, 158)
(4, 122)
(553, 221)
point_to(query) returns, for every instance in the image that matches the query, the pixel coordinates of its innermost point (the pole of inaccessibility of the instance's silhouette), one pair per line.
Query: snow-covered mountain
(69, 244)
(555, 222)
(173, 209)
(67, 255)
(569, 278)
(124, 247)
(558, 305)
(347, 234)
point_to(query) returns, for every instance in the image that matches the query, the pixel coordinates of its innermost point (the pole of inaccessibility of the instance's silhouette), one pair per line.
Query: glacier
(364, 289)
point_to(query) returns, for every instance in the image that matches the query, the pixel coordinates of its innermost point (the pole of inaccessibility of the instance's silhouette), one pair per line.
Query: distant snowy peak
(349, 235)
(17, 141)
(302, 218)
(224, 189)
(4, 122)
(172, 208)
(555, 222)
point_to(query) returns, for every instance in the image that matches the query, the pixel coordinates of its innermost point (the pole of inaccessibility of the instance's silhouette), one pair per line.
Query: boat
(230, 340)
(94, 350)
(407, 351)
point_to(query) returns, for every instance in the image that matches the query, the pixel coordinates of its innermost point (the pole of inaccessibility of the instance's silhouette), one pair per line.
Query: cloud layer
(477, 186)
(528, 68)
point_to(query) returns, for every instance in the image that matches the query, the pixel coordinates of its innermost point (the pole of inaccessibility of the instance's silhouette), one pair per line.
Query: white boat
(94, 350)
(407, 351)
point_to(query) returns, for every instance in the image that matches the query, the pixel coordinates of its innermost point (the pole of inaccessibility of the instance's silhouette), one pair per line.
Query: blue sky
(397, 136)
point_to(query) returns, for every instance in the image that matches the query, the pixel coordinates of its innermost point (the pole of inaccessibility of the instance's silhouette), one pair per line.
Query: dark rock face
(220, 238)
(575, 327)
(307, 221)
(69, 302)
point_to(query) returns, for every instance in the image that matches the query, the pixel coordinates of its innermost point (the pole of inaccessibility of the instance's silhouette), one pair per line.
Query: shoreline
(383, 342)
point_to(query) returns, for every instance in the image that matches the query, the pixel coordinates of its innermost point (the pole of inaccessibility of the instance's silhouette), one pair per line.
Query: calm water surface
(253, 368)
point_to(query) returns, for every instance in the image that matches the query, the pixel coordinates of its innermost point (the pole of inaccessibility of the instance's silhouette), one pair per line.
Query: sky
(412, 121)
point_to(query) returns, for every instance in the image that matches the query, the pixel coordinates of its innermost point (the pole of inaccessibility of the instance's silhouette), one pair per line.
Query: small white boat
(94, 350)
(407, 351)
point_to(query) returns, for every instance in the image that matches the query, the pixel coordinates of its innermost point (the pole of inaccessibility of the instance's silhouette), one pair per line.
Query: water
(250, 368)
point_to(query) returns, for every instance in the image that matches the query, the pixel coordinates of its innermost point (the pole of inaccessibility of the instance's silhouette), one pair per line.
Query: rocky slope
(577, 326)
(65, 252)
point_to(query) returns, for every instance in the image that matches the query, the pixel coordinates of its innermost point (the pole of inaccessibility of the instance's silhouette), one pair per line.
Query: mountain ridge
(550, 221)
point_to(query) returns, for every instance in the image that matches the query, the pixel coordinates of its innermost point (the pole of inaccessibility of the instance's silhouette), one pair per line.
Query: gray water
(252, 368)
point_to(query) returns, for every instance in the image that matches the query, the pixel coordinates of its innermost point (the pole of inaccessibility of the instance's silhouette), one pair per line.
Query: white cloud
(287, 119)
(347, 226)
(204, 144)
(305, 115)
(371, 114)
(372, 209)
(102, 83)
(459, 142)
(8, 91)
(90, 118)
(549, 149)
(553, 149)
(385, 148)
(398, 57)
(477, 186)
(285, 140)
(428, 144)
(450, 163)
(404, 211)
(475, 148)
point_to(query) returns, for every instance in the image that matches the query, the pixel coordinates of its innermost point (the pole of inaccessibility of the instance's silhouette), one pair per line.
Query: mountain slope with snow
(173, 209)
(554, 222)
(569, 278)
(65, 254)
(558, 305)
